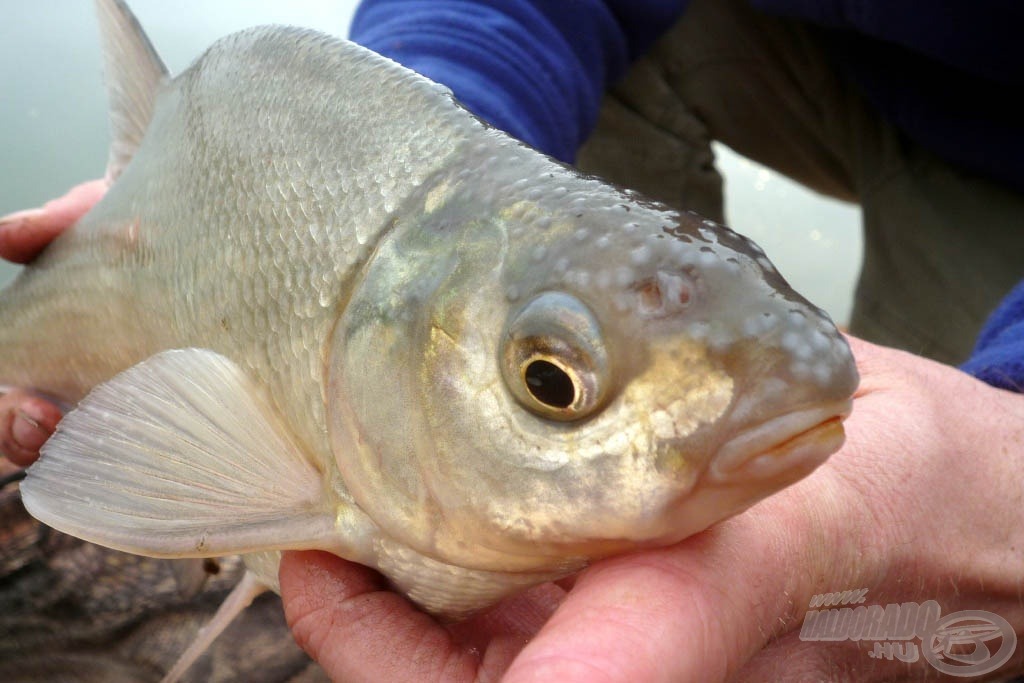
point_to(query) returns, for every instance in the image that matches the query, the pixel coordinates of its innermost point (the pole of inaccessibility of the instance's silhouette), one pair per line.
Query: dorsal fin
(134, 73)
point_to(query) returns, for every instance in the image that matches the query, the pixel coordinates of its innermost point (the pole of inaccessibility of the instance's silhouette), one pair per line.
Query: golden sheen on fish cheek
(524, 484)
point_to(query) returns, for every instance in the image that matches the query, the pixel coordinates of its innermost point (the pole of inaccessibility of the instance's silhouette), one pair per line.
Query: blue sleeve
(534, 68)
(998, 358)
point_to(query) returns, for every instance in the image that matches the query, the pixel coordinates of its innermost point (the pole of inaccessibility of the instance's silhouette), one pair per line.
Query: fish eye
(549, 384)
(553, 358)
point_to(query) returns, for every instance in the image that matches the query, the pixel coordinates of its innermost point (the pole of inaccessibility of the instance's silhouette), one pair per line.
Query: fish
(323, 306)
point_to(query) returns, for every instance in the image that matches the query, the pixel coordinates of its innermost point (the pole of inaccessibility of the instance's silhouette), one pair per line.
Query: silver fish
(323, 306)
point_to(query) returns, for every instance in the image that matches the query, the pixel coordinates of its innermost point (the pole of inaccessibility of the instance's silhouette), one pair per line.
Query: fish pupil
(550, 384)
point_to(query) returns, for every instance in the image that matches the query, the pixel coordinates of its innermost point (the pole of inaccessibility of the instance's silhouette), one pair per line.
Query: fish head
(563, 371)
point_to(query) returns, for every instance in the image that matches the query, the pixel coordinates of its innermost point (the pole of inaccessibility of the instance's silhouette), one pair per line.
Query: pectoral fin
(180, 456)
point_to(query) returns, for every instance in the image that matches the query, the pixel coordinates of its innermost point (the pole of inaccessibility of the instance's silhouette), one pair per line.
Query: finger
(26, 422)
(24, 234)
(697, 611)
(791, 659)
(502, 632)
(343, 616)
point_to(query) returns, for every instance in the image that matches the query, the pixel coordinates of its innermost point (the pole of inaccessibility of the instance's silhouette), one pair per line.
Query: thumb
(696, 611)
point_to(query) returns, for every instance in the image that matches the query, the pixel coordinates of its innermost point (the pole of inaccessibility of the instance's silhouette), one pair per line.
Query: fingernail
(27, 430)
(12, 219)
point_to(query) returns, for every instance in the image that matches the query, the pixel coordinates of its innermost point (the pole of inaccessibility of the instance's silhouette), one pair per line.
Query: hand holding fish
(695, 610)
(729, 603)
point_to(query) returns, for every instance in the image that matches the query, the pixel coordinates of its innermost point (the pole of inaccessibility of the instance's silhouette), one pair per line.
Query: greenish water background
(53, 129)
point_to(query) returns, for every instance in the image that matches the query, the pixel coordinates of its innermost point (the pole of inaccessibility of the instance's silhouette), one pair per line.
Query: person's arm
(998, 357)
(537, 69)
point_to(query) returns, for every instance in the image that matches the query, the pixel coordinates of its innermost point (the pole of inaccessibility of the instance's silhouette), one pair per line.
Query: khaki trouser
(941, 247)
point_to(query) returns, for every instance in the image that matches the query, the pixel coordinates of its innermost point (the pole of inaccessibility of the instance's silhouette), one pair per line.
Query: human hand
(922, 503)
(24, 234)
(26, 421)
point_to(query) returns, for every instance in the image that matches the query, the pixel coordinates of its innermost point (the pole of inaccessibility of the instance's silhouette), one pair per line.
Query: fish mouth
(797, 441)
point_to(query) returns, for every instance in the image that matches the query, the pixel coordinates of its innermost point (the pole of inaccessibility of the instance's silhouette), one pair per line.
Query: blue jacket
(998, 357)
(949, 75)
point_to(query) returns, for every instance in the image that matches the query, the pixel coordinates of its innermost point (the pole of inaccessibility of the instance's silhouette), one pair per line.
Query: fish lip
(796, 439)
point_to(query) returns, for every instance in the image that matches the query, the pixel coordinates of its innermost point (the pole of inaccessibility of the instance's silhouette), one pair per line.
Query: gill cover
(409, 311)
